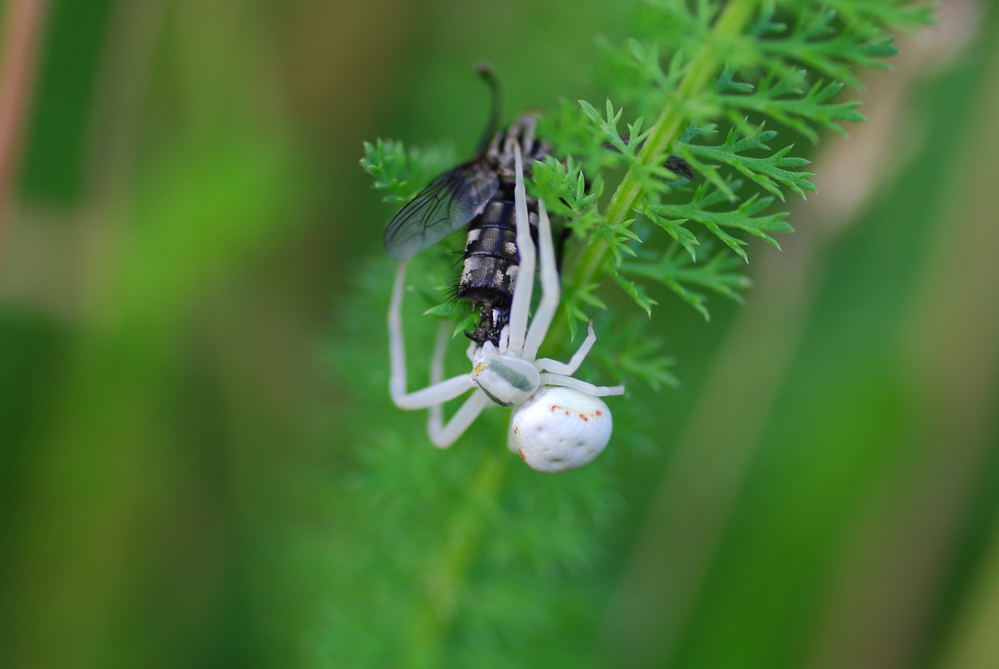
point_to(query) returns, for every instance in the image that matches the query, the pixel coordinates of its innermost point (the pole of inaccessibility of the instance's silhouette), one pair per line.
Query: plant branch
(444, 583)
(731, 22)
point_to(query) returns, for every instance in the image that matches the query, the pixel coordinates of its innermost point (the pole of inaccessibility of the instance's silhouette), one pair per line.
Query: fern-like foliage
(752, 67)
(401, 173)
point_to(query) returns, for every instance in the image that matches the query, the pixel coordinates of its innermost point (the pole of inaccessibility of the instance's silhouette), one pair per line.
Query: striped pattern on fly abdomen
(491, 260)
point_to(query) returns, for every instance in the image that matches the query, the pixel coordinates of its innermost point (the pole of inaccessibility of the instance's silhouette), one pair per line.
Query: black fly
(478, 195)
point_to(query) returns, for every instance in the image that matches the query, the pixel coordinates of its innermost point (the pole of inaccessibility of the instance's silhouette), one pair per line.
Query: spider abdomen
(560, 429)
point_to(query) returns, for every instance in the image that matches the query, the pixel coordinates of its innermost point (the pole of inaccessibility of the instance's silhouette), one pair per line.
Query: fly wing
(449, 203)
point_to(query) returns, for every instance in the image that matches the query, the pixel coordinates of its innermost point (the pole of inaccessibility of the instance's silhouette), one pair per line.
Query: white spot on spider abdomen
(560, 429)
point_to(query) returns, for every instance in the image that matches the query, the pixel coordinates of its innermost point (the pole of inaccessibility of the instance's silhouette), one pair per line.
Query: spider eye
(561, 429)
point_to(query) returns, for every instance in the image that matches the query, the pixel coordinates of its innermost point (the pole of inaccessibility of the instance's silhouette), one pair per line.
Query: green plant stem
(465, 530)
(663, 134)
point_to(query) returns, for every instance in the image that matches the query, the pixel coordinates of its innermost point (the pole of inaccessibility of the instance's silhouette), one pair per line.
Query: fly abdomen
(489, 270)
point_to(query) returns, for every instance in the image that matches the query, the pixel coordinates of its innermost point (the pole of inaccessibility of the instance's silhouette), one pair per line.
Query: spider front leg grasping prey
(558, 422)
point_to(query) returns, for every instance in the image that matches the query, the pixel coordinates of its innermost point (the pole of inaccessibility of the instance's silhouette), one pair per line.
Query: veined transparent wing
(449, 203)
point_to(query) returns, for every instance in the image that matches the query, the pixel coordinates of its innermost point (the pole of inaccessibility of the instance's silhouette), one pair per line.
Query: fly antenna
(485, 71)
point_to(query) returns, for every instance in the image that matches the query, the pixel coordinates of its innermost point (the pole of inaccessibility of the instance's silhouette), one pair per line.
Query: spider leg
(437, 370)
(569, 368)
(437, 393)
(521, 303)
(550, 290)
(443, 435)
(504, 338)
(440, 347)
(582, 386)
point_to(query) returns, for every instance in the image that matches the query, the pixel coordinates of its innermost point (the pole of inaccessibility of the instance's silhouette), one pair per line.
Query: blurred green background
(185, 228)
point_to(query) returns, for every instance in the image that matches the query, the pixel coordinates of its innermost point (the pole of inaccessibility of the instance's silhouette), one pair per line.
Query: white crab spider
(558, 421)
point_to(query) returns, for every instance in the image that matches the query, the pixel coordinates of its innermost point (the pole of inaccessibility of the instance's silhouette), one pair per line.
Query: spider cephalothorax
(558, 422)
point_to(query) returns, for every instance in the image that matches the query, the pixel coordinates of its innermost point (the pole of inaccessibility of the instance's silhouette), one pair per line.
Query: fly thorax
(508, 381)
(522, 133)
